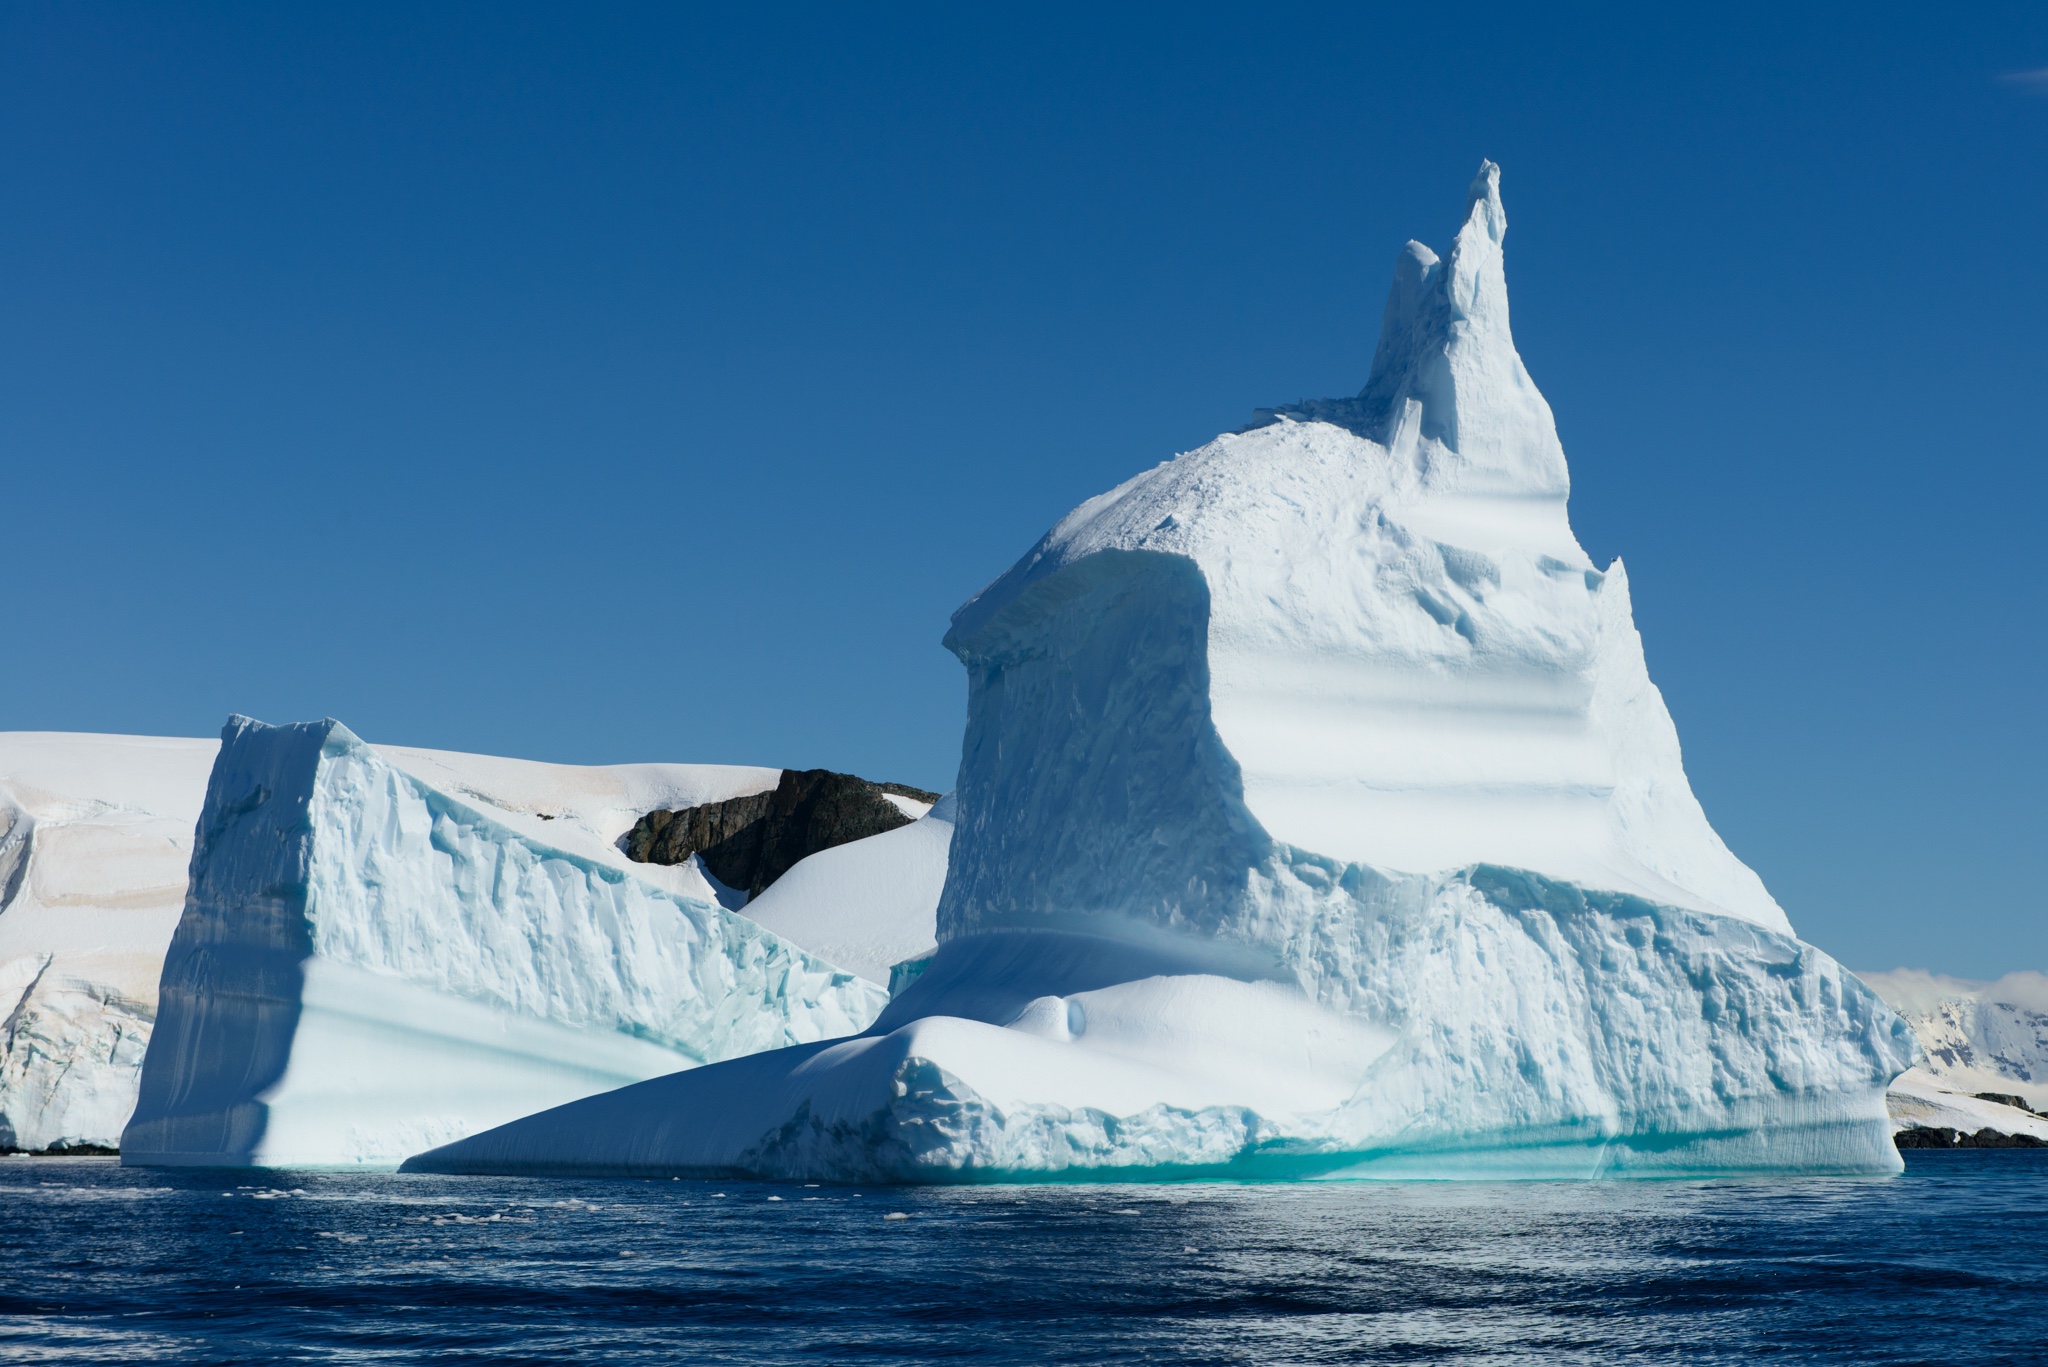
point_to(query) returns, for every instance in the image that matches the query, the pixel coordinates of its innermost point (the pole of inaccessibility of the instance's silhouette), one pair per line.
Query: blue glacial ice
(1316, 817)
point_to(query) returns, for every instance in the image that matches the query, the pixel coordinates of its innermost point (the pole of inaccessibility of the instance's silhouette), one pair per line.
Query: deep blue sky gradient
(602, 383)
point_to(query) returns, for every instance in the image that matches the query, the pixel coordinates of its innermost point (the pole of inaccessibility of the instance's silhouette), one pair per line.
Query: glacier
(1316, 817)
(367, 964)
(95, 836)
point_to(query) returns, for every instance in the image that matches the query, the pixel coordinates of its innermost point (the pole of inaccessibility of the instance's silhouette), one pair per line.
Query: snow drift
(367, 965)
(1316, 816)
(868, 906)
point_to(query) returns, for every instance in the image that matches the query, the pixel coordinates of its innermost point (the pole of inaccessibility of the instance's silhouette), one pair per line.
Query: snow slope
(868, 905)
(366, 965)
(1316, 816)
(95, 834)
(1974, 1036)
(1917, 1098)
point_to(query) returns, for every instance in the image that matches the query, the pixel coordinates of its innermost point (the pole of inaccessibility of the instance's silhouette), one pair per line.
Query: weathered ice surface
(96, 840)
(1316, 816)
(747, 843)
(95, 843)
(366, 965)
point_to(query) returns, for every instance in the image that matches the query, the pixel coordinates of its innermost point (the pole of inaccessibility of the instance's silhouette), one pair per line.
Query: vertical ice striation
(366, 966)
(1316, 816)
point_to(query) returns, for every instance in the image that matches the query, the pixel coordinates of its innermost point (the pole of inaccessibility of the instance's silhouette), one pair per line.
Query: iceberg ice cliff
(96, 841)
(1316, 816)
(367, 965)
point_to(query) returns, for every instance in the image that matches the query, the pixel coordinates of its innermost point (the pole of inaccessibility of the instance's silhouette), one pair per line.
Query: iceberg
(1316, 817)
(368, 962)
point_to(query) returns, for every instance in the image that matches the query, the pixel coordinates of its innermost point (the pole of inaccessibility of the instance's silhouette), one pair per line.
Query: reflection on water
(106, 1264)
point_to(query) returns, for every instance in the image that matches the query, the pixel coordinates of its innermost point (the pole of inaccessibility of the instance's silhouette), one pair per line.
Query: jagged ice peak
(1448, 392)
(1408, 658)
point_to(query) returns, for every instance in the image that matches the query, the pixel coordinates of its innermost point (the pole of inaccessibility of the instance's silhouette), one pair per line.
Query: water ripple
(111, 1265)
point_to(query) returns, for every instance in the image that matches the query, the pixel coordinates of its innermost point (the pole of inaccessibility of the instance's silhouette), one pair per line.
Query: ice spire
(1447, 385)
(1447, 390)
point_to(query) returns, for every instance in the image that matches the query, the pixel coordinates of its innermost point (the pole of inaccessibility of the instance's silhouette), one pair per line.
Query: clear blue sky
(599, 383)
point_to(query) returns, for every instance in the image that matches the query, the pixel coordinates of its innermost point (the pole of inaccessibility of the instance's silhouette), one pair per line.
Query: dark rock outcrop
(1937, 1137)
(733, 828)
(749, 842)
(65, 1148)
(2018, 1103)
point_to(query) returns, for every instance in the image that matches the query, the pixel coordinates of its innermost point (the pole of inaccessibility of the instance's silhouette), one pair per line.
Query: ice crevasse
(367, 965)
(1316, 816)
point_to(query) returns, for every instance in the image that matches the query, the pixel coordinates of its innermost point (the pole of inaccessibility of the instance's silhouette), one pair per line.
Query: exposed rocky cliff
(749, 842)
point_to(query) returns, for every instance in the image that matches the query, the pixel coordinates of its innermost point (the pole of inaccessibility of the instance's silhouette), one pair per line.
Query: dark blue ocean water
(103, 1264)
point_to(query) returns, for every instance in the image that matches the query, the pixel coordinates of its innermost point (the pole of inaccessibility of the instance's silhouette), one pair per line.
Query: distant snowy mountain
(1975, 1037)
(1316, 816)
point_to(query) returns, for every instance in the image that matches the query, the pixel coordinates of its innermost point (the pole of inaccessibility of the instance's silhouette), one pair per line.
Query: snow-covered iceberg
(1316, 816)
(95, 834)
(368, 963)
